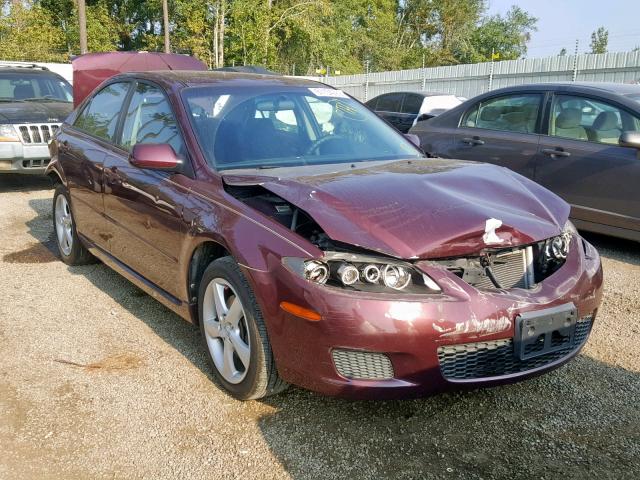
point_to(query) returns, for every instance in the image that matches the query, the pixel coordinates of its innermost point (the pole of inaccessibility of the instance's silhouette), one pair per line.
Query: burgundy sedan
(315, 245)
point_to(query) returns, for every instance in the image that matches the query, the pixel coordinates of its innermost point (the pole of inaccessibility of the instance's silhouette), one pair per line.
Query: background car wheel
(71, 249)
(234, 333)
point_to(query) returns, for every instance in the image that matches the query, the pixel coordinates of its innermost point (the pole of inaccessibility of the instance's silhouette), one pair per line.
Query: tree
(599, 40)
(563, 52)
(507, 36)
(29, 33)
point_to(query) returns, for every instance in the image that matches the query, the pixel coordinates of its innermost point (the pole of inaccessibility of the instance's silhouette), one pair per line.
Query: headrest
(606, 121)
(25, 90)
(569, 118)
(490, 114)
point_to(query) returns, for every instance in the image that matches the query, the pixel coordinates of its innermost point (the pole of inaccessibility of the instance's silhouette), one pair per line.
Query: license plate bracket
(545, 331)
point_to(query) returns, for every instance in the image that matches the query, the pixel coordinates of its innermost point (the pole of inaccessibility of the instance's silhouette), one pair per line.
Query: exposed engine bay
(519, 267)
(292, 217)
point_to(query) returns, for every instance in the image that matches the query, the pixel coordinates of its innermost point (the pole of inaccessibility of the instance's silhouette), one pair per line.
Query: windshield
(27, 87)
(302, 126)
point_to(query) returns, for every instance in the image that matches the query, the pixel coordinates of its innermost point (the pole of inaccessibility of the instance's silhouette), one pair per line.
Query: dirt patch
(35, 253)
(121, 361)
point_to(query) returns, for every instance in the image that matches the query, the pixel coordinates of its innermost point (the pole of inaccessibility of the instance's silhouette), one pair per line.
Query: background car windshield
(27, 87)
(298, 127)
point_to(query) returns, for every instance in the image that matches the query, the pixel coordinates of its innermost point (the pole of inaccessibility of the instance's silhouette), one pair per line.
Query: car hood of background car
(34, 111)
(429, 208)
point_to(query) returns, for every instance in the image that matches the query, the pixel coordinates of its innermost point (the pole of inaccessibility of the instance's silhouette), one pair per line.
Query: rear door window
(583, 118)
(412, 104)
(100, 116)
(390, 102)
(510, 113)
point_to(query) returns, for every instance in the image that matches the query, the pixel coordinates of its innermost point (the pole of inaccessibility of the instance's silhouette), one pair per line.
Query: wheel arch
(201, 257)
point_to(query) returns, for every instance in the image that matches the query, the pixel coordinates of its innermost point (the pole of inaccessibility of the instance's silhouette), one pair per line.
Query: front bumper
(18, 158)
(412, 333)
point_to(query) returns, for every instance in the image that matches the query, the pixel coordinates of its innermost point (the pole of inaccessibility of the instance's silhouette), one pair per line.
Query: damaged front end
(516, 267)
(361, 269)
(382, 311)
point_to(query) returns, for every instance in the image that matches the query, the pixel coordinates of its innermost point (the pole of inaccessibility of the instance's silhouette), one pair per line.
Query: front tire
(234, 333)
(70, 247)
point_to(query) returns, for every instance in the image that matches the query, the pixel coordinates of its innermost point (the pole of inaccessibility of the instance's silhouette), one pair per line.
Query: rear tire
(234, 333)
(71, 249)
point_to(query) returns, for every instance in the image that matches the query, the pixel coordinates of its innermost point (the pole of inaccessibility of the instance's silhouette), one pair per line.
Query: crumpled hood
(429, 208)
(34, 112)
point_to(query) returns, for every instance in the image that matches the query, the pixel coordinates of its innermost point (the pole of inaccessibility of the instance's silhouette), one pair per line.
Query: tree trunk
(82, 21)
(221, 28)
(215, 37)
(165, 26)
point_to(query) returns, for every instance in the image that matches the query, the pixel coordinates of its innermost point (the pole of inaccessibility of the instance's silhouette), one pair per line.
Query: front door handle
(473, 141)
(556, 152)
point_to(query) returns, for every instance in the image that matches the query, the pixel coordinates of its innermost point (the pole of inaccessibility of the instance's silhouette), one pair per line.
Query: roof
(196, 78)
(26, 69)
(617, 88)
(420, 92)
(246, 69)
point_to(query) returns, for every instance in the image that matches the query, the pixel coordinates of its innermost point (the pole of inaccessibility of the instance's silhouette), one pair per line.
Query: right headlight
(8, 133)
(363, 273)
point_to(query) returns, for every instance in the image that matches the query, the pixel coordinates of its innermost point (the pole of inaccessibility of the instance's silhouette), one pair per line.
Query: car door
(501, 130)
(388, 107)
(82, 148)
(143, 207)
(580, 160)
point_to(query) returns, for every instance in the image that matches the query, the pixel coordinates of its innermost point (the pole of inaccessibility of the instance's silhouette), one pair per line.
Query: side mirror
(423, 116)
(630, 139)
(155, 156)
(415, 139)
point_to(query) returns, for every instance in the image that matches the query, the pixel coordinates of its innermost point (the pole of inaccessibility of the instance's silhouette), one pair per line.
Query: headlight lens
(363, 273)
(8, 134)
(557, 248)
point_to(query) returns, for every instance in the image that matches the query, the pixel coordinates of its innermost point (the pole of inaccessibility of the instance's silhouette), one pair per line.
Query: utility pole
(165, 26)
(575, 62)
(424, 73)
(82, 21)
(366, 80)
(491, 70)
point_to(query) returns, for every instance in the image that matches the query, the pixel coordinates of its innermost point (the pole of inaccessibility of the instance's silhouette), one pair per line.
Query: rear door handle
(555, 152)
(473, 141)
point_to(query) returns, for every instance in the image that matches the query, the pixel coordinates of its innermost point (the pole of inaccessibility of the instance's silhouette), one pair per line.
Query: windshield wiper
(9, 100)
(45, 99)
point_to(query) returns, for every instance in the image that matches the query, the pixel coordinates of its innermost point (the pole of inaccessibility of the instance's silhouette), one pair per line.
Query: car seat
(488, 117)
(22, 91)
(567, 125)
(606, 128)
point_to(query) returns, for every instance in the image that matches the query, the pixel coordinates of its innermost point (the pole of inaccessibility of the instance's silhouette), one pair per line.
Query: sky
(561, 22)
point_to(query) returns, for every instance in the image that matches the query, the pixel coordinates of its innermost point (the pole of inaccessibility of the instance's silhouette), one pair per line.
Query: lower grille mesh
(362, 365)
(496, 357)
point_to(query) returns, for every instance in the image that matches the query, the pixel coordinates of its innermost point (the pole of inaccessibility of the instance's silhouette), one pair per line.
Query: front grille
(35, 163)
(510, 270)
(39, 134)
(496, 358)
(358, 365)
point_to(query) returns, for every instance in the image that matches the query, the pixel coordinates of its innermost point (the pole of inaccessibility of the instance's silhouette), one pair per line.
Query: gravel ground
(97, 380)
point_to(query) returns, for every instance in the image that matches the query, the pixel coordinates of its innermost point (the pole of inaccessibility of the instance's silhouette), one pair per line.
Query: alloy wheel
(226, 330)
(64, 225)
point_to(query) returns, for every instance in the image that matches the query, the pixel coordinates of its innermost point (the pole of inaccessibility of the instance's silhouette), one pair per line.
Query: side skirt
(181, 308)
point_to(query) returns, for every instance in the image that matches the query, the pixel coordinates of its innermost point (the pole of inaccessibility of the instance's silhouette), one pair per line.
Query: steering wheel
(313, 149)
